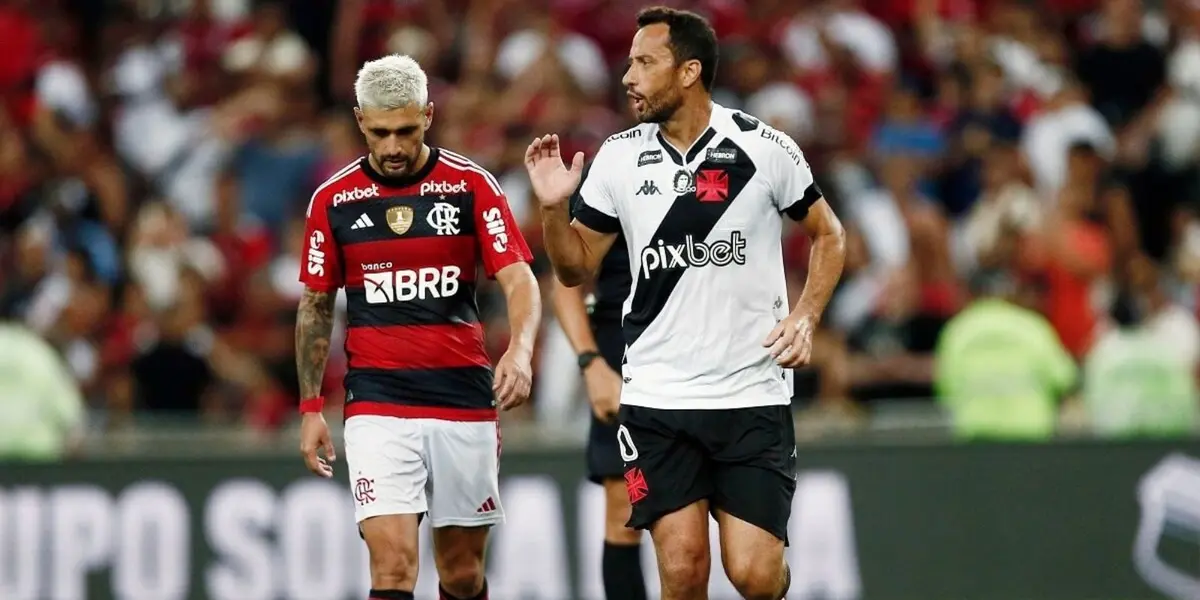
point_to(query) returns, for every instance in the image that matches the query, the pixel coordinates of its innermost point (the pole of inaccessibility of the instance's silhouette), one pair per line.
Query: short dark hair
(692, 38)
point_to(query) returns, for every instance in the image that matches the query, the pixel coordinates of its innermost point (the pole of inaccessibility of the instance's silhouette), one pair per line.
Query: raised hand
(553, 181)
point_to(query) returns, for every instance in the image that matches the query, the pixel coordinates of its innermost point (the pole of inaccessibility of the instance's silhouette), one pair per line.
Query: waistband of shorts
(417, 411)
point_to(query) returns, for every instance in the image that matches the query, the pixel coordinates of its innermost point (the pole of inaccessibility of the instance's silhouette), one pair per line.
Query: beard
(395, 165)
(660, 111)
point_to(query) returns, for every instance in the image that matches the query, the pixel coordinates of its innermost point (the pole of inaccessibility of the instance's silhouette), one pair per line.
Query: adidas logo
(363, 222)
(488, 506)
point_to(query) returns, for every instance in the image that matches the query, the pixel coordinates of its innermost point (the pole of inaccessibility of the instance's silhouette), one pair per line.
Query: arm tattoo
(314, 325)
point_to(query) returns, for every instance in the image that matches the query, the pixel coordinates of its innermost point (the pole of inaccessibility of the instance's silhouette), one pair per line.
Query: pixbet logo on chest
(691, 253)
(443, 187)
(356, 194)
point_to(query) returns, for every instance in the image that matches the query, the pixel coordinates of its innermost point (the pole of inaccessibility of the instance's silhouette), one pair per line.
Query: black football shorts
(742, 460)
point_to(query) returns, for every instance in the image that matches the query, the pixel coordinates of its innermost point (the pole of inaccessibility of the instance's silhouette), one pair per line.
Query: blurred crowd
(157, 156)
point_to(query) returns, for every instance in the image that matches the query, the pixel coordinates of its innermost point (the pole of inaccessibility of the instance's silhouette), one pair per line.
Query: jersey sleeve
(792, 185)
(594, 204)
(321, 266)
(500, 240)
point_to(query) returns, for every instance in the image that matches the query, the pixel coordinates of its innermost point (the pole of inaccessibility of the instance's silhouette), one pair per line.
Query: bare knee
(755, 578)
(393, 554)
(458, 553)
(681, 545)
(753, 558)
(616, 515)
(683, 569)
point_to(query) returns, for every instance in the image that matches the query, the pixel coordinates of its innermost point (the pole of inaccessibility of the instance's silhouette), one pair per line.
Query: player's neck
(688, 123)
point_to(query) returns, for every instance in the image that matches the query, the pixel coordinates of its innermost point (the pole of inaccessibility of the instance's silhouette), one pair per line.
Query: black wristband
(586, 358)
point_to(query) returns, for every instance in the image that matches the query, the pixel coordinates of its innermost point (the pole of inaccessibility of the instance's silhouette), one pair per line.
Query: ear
(358, 118)
(428, 115)
(690, 73)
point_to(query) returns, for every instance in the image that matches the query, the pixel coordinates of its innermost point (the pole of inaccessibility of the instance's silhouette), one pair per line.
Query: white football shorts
(448, 469)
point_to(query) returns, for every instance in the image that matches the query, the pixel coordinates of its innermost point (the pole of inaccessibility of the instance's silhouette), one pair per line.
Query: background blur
(1018, 180)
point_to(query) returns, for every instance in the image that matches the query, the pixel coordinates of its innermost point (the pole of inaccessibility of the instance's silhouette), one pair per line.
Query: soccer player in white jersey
(699, 192)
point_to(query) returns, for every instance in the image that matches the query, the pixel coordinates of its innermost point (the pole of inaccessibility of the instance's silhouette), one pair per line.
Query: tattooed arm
(314, 326)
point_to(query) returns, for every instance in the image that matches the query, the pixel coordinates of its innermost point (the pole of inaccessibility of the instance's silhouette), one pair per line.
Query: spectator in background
(1000, 369)
(1066, 121)
(1140, 378)
(42, 405)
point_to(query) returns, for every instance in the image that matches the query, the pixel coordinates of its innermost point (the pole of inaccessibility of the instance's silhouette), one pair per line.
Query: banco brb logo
(691, 253)
(411, 284)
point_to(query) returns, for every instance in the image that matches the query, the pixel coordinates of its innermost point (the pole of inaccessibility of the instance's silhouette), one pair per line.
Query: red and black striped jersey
(406, 250)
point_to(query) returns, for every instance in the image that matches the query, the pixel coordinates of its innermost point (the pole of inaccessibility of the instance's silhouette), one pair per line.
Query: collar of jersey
(694, 151)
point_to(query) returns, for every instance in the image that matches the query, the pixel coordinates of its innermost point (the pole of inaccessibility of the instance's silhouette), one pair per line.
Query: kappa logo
(649, 188)
(444, 218)
(356, 194)
(650, 157)
(722, 156)
(442, 187)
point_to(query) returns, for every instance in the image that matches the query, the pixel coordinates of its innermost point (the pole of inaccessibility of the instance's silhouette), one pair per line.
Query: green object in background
(1134, 385)
(1000, 369)
(976, 522)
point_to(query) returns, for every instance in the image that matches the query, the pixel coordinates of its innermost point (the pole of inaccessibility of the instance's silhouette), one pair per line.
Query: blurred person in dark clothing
(1123, 71)
(171, 371)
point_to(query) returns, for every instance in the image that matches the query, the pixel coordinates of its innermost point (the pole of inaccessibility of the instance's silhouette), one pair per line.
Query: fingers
(504, 392)
(330, 451)
(516, 389)
(577, 163)
(774, 335)
(610, 413)
(531, 154)
(501, 374)
(783, 340)
(799, 351)
(547, 147)
(314, 462)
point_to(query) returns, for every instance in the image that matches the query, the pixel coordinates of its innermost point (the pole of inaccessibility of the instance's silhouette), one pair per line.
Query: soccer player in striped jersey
(402, 230)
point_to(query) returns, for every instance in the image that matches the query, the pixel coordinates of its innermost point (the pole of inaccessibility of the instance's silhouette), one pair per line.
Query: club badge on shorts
(400, 218)
(685, 182)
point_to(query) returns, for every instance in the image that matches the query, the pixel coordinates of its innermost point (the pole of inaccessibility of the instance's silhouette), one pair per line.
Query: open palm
(553, 181)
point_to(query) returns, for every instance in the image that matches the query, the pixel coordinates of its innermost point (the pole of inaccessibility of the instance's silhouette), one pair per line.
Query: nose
(390, 145)
(628, 80)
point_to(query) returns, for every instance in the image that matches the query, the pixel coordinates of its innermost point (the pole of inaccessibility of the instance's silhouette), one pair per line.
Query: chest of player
(410, 232)
(720, 188)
